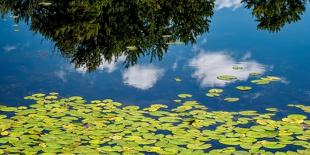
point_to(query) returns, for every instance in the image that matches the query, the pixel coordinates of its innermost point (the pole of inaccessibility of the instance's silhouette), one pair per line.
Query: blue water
(30, 64)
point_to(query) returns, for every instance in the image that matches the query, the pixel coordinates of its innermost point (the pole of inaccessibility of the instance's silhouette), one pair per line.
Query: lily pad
(72, 125)
(260, 82)
(272, 145)
(254, 74)
(237, 67)
(45, 3)
(216, 90)
(177, 79)
(227, 78)
(185, 95)
(244, 88)
(132, 48)
(231, 99)
(212, 94)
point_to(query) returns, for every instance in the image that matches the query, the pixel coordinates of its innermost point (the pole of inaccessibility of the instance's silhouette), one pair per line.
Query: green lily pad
(198, 146)
(273, 145)
(177, 101)
(244, 88)
(185, 95)
(45, 3)
(132, 48)
(272, 109)
(231, 99)
(254, 74)
(177, 79)
(212, 94)
(237, 68)
(227, 77)
(230, 141)
(260, 82)
(295, 118)
(272, 78)
(216, 90)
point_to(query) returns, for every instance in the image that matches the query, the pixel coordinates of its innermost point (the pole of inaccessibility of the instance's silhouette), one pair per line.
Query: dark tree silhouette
(90, 31)
(272, 15)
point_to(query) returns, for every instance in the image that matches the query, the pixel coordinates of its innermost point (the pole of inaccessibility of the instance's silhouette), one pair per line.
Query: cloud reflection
(105, 65)
(62, 75)
(208, 66)
(142, 77)
(234, 4)
(9, 48)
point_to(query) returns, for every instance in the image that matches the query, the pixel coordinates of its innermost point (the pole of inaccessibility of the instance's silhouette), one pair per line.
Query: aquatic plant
(73, 126)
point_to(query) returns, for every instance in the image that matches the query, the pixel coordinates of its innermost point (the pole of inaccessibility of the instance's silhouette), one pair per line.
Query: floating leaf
(272, 78)
(177, 79)
(237, 67)
(266, 80)
(184, 95)
(227, 77)
(231, 99)
(254, 74)
(45, 3)
(166, 36)
(272, 109)
(295, 118)
(212, 94)
(260, 82)
(272, 145)
(177, 101)
(244, 88)
(4, 133)
(230, 141)
(132, 48)
(216, 90)
(198, 146)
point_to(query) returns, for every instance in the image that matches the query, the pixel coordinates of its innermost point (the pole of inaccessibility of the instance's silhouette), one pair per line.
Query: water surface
(34, 59)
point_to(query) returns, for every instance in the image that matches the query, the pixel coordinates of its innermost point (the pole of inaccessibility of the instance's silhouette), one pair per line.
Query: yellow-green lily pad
(244, 88)
(231, 99)
(227, 77)
(185, 95)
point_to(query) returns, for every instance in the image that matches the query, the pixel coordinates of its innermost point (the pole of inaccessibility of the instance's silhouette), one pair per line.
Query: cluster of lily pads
(216, 92)
(54, 125)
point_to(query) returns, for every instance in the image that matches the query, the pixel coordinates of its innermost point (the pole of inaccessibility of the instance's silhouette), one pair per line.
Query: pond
(154, 77)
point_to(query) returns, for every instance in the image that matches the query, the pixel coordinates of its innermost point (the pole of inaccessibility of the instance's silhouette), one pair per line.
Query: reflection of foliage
(272, 15)
(90, 31)
(69, 126)
(93, 30)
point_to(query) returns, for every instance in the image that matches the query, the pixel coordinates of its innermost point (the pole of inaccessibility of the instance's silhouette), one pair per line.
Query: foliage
(92, 31)
(89, 32)
(272, 15)
(72, 126)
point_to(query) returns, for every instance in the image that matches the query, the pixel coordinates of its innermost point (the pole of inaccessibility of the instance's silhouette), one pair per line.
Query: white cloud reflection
(142, 77)
(111, 66)
(234, 4)
(62, 75)
(208, 66)
(9, 48)
(105, 65)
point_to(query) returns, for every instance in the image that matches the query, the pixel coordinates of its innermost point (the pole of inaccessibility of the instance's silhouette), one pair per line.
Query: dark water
(30, 63)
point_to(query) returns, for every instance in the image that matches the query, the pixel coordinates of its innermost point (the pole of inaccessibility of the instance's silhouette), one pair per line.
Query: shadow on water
(89, 32)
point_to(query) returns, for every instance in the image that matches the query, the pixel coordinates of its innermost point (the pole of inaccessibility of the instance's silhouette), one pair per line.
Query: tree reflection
(91, 31)
(272, 15)
(88, 31)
